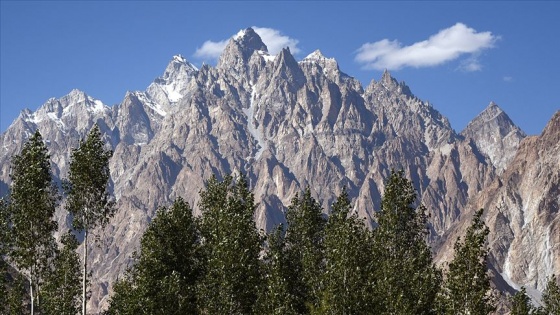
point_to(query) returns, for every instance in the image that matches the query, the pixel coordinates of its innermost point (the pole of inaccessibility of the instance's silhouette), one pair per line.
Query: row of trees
(47, 276)
(221, 264)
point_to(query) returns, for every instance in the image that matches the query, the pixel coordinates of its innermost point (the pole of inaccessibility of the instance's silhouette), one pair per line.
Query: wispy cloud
(272, 38)
(211, 49)
(275, 40)
(507, 78)
(448, 44)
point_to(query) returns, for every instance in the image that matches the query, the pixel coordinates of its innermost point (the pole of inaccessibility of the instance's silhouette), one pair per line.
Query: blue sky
(457, 55)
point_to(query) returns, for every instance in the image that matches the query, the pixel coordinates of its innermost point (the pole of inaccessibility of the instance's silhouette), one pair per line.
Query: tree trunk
(31, 294)
(84, 293)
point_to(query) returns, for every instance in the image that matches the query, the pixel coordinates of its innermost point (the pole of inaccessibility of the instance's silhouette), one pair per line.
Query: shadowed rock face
(289, 125)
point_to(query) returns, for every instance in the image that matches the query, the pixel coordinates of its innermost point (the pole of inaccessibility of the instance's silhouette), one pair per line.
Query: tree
(163, 280)
(231, 245)
(521, 303)
(551, 297)
(4, 233)
(467, 287)
(405, 279)
(88, 192)
(305, 236)
(277, 295)
(33, 201)
(348, 261)
(61, 292)
(17, 296)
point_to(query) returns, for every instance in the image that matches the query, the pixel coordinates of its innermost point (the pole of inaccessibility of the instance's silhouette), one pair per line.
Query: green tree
(405, 279)
(521, 303)
(61, 292)
(126, 299)
(4, 233)
(88, 192)
(467, 287)
(551, 297)
(17, 294)
(348, 261)
(277, 295)
(163, 280)
(33, 201)
(305, 236)
(231, 244)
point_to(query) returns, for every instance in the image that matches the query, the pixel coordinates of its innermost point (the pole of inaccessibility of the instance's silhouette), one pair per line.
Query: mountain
(289, 125)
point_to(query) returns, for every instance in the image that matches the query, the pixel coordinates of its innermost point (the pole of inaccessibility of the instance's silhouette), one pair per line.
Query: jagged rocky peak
(316, 57)
(390, 84)
(552, 129)
(239, 50)
(178, 67)
(249, 39)
(287, 68)
(172, 85)
(55, 109)
(495, 135)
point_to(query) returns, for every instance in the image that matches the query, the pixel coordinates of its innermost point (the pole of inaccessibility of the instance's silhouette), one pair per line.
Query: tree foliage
(168, 267)
(551, 297)
(87, 188)
(4, 233)
(405, 280)
(61, 292)
(348, 258)
(33, 201)
(305, 236)
(521, 303)
(467, 288)
(231, 245)
(277, 296)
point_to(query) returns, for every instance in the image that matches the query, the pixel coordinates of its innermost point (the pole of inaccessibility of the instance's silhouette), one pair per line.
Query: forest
(321, 261)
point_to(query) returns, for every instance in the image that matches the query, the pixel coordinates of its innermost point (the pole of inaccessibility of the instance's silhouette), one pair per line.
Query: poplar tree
(348, 262)
(551, 298)
(87, 188)
(467, 287)
(277, 295)
(231, 245)
(4, 230)
(33, 201)
(167, 269)
(305, 236)
(521, 303)
(406, 280)
(61, 292)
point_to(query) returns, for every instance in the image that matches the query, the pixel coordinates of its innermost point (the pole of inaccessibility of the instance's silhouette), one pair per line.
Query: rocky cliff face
(289, 125)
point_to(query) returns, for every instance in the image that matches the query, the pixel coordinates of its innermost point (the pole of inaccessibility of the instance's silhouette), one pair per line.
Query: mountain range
(291, 124)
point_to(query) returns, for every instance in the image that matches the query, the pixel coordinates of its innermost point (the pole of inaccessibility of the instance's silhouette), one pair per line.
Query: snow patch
(316, 56)
(151, 104)
(239, 34)
(56, 120)
(252, 124)
(266, 56)
(172, 94)
(98, 106)
(179, 58)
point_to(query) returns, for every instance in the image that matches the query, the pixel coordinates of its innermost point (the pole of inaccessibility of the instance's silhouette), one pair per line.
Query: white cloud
(210, 49)
(507, 78)
(448, 44)
(470, 64)
(272, 38)
(275, 40)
